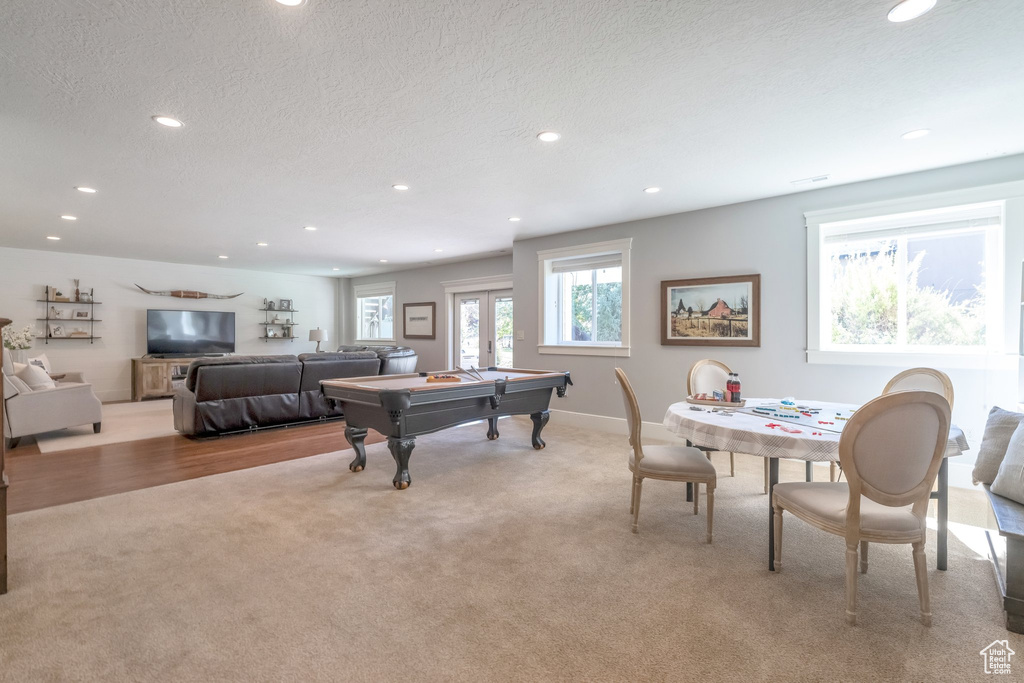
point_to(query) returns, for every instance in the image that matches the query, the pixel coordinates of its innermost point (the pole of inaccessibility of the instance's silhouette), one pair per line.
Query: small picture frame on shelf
(81, 314)
(286, 304)
(270, 333)
(56, 331)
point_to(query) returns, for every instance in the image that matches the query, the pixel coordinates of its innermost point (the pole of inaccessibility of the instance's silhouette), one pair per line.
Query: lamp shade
(318, 335)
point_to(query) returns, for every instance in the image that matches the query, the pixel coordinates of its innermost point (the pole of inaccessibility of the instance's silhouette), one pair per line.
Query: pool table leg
(355, 436)
(401, 449)
(539, 420)
(492, 428)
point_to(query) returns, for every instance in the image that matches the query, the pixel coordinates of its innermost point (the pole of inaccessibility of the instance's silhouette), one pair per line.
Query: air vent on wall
(811, 180)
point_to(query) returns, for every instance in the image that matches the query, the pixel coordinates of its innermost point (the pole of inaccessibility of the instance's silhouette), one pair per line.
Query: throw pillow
(1009, 481)
(998, 430)
(42, 361)
(35, 377)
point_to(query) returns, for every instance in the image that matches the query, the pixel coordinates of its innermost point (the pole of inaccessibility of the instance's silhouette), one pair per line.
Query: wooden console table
(157, 377)
(1009, 567)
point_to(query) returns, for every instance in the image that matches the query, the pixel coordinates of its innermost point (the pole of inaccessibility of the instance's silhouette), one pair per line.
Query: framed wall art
(420, 321)
(711, 311)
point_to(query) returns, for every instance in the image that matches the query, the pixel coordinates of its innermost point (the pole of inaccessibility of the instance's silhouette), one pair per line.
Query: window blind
(589, 262)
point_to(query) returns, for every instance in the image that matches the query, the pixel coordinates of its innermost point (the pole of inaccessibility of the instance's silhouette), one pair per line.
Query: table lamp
(318, 336)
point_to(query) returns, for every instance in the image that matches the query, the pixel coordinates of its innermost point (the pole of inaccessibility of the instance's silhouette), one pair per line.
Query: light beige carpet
(121, 422)
(499, 563)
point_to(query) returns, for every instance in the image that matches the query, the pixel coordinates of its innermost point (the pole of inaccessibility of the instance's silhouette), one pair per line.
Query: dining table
(765, 434)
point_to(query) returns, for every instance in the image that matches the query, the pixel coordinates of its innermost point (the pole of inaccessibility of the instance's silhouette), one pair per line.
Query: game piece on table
(442, 377)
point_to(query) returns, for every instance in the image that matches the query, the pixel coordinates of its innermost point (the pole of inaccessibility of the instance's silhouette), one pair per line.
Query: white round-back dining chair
(705, 376)
(891, 450)
(922, 379)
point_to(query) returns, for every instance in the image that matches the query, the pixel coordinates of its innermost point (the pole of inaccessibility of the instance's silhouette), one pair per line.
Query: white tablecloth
(743, 433)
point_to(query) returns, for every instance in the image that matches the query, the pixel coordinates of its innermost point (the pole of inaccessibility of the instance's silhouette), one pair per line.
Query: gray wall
(419, 285)
(765, 236)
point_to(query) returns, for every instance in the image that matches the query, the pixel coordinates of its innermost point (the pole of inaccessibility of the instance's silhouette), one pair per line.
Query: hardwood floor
(40, 480)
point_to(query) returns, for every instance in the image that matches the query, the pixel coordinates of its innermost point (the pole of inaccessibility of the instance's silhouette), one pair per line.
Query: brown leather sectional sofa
(243, 393)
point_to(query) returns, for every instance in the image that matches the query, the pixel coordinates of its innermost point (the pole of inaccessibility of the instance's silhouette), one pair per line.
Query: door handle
(489, 349)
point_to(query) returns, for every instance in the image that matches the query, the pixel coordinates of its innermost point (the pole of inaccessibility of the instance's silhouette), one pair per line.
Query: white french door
(483, 329)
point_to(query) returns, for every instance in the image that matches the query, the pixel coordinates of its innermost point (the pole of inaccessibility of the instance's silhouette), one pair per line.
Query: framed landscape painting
(711, 311)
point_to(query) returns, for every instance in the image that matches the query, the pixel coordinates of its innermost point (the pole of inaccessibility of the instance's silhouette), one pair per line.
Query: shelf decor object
(4, 322)
(59, 310)
(279, 322)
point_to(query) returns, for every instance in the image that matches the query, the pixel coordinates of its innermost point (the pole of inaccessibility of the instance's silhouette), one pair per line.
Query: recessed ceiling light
(51, 237)
(401, 188)
(914, 134)
(168, 121)
(909, 9)
(87, 190)
(261, 244)
(335, 268)
(310, 228)
(548, 136)
(652, 190)
(70, 218)
(291, 3)
(515, 219)
(383, 260)
(222, 256)
(438, 251)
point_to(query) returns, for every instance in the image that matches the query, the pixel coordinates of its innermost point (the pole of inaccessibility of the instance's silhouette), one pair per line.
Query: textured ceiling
(307, 116)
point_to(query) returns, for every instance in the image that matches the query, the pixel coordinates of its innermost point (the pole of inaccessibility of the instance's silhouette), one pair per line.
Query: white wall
(767, 237)
(107, 364)
(422, 285)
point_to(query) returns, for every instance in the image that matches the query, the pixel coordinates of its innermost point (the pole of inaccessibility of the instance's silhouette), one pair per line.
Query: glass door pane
(470, 330)
(501, 316)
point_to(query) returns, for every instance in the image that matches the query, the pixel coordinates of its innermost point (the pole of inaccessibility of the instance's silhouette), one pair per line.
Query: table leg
(401, 449)
(808, 471)
(356, 436)
(492, 428)
(539, 420)
(942, 514)
(773, 479)
(689, 484)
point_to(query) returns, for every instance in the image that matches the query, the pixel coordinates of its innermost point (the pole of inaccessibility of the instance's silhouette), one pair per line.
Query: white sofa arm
(66, 405)
(73, 378)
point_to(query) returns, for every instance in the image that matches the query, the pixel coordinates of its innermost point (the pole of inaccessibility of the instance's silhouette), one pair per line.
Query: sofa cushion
(194, 366)
(35, 377)
(998, 430)
(320, 366)
(14, 385)
(216, 379)
(1009, 481)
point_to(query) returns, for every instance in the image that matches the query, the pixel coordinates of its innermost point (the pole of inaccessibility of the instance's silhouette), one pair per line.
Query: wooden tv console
(157, 377)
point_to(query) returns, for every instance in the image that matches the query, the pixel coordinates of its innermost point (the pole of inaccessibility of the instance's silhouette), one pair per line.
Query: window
(585, 299)
(892, 286)
(375, 305)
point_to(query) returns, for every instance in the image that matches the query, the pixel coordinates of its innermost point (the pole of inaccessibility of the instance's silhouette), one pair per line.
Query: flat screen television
(189, 332)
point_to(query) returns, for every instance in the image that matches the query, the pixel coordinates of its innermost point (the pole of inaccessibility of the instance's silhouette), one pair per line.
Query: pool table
(401, 407)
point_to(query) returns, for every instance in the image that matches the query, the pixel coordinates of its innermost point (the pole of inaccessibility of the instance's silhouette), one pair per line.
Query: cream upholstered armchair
(669, 463)
(890, 450)
(69, 403)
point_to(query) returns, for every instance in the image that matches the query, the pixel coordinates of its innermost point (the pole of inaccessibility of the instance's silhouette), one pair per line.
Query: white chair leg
(632, 494)
(767, 476)
(863, 557)
(921, 571)
(778, 537)
(696, 496)
(851, 583)
(638, 489)
(711, 509)
(732, 464)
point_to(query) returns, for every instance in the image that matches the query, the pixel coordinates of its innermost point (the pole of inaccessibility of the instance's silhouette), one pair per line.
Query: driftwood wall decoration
(188, 293)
